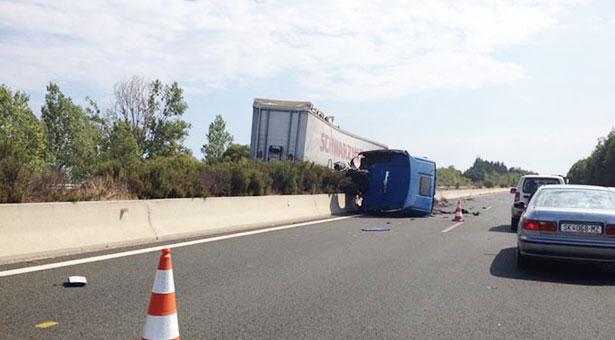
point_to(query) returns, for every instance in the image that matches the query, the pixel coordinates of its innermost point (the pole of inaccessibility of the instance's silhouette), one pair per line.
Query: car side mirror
(513, 190)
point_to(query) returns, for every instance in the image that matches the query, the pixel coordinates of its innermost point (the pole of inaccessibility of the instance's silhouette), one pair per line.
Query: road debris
(46, 324)
(440, 211)
(443, 203)
(76, 281)
(376, 229)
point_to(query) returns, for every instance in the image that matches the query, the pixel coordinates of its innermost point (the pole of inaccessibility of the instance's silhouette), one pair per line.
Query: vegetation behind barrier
(599, 167)
(178, 176)
(481, 174)
(134, 150)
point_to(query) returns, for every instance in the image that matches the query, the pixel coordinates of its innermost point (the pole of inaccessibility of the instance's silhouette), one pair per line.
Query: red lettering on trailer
(337, 148)
(323, 142)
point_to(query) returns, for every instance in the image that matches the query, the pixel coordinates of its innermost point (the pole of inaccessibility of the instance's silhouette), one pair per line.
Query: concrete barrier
(38, 230)
(223, 214)
(463, 193)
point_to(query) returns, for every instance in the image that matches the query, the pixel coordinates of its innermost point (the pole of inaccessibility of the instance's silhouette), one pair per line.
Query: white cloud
(348, 49)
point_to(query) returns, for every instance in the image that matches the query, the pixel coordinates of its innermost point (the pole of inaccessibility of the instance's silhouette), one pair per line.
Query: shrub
(172, 177)
(14, 172)
(216, 179)
(257, 184)
(166, 177)
(48, 186)
(240, 180)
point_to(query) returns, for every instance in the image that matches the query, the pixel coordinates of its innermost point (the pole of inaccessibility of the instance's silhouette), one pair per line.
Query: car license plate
(581, 228)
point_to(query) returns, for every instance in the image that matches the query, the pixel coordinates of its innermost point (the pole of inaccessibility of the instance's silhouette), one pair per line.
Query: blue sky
(528, 83)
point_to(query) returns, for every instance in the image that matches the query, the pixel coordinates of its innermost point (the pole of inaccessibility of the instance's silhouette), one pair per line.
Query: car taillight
(517, 196)
(548, 226)
(610, 229)
(543, 225)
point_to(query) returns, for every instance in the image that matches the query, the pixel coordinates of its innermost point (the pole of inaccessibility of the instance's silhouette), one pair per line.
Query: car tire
(514, 222)
(522, 260)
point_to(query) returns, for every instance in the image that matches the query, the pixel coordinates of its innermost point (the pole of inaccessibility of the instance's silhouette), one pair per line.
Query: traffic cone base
(161, 327)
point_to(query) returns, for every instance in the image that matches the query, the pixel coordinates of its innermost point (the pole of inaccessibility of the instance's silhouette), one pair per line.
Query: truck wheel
(514, 222)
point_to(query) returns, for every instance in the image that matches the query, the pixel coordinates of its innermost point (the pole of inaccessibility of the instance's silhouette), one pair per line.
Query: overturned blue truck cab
(393, 181)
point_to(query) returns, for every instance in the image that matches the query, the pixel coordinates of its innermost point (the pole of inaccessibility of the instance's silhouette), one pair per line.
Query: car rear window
(530, 185)
(577, 198)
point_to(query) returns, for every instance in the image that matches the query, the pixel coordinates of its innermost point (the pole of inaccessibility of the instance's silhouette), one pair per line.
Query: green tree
(218, 140)
(236, 152)
(492, 174)
(153, 111)
(599, 167)
(72, 137)
(122, 145)
(168, 131)
(19, 127)
(578, 171)
(451, 177)
(481, 168)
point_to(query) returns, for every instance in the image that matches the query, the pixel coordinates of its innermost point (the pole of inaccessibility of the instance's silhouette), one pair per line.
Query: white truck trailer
(293, 130)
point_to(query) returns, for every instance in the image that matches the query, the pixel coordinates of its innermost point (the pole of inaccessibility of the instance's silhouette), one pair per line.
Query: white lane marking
(452, 227)
(489, 207)
(158, 248)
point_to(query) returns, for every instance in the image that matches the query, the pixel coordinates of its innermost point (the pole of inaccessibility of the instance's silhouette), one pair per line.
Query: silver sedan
(568, 222)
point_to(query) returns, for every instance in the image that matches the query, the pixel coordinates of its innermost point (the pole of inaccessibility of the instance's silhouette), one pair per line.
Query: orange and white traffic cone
(161, 320)
(458, 213)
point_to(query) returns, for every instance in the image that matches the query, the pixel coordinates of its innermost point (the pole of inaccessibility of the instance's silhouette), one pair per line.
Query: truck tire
(514, 222)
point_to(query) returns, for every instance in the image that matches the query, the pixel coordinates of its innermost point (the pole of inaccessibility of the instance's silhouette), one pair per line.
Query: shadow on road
(504, 228)
(391, 215)
(591, 274)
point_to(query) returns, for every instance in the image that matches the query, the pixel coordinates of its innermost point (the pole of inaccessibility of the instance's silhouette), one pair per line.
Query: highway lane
(331, 281)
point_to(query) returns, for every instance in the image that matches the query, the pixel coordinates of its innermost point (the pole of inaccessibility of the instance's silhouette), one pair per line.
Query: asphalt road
(331, 281)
